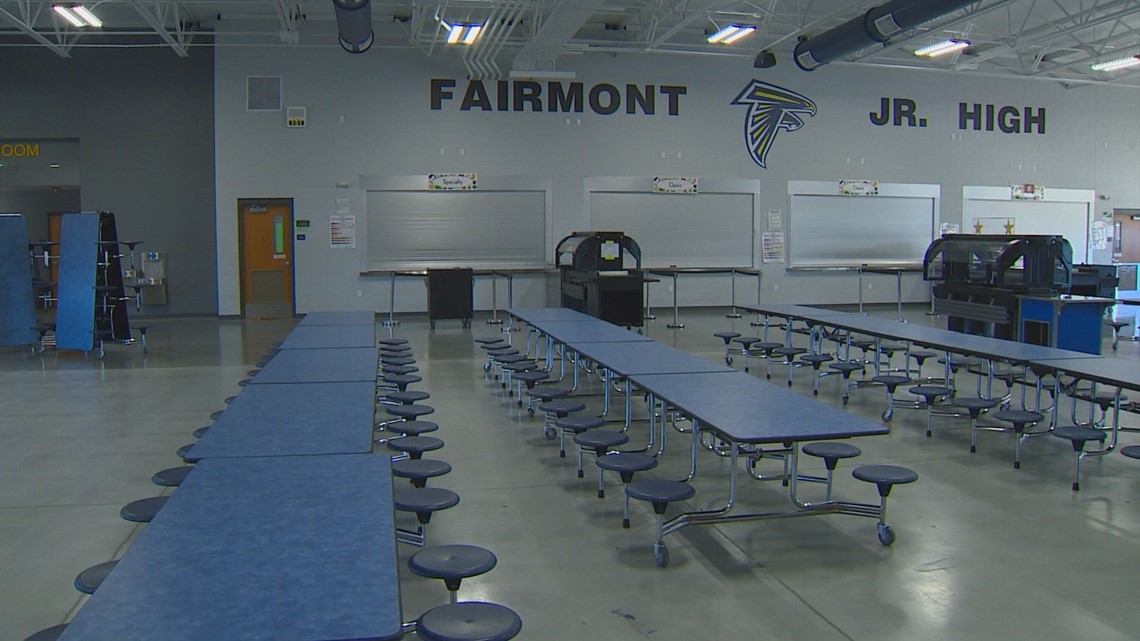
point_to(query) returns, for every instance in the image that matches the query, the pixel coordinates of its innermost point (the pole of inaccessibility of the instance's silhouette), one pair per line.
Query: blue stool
(975, 406)
(48, 634)
(544, 394)
(184, 451)
(397, 360)
(392, 341)
(577, 425)
(600, 441)
(557, 409)
(815, 360)
(409, 428)
(931, 394)
(626, 465)
(410, 412)
(90, 579)
(1132, 451)
(830, 452)
(401, 381)
(891, 382)
(419, 470)
(407, 397)
(452, 563)
(423, 501)
(414, 446)
(1078, 437)
(143, 510)
(214, 416)
(398, 369)
(789, 354)
(660, 494)
(884, 477)
(727, 338)
(529, 379)
(1020, 419)
(200, 432)
(171, 476)
(846, 368)
(468, 621)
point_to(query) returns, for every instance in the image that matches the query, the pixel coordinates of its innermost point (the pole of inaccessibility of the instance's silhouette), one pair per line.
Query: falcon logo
(770, 109)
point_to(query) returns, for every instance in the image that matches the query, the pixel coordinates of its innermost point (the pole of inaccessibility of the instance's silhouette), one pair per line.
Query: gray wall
(35, 204)
(369, 115)
(144, 121)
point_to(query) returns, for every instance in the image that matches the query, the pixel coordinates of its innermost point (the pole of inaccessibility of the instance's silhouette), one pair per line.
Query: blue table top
(1117, 372)
(532, 314)
(326, 336)
(263, 548)
(643, 357)
(282, 420)
(333, 365)
(792, 311)
(744, 409)
(337, 318)
(588, 331)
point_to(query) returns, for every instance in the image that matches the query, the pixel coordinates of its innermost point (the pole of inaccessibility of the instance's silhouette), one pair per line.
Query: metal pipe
(354, 24)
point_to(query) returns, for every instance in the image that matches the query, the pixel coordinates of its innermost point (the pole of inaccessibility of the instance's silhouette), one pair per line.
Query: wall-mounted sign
(679, 185)
(859, 187)
(1027, 192)
(342, 232)
(453, 182)
(19, 150)
(301, 223)
(772, 246)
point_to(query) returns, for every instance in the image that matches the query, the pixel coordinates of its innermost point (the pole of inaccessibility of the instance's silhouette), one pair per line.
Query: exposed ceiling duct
(354, 24)
(564, 21)
(876, 26)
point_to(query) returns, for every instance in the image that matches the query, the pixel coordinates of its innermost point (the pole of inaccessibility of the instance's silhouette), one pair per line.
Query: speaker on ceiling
(764, 60)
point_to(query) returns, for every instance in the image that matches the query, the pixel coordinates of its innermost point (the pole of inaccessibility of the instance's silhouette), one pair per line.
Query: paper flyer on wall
(342, 232)
(773, 246)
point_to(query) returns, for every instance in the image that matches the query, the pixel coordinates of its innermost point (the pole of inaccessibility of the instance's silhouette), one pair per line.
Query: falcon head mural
(770, 109)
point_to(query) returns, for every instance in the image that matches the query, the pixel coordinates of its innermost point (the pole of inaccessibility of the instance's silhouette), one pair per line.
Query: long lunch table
(337, 318)
(621, 360)
(1115, 372)
(328, 336)
(742, 410)
(332, 365)
(292, 419)
(674, 272)
(591, 330)
(259, 549)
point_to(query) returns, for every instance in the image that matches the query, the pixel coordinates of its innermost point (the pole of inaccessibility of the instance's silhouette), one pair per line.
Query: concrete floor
(983, 551)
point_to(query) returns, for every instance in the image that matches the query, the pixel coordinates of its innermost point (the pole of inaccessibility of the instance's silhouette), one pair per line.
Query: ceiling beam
(155, 21)
(27, 30)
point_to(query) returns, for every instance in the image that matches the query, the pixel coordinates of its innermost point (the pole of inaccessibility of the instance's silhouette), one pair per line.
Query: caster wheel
(844, 400)
(625, 524)
(519, 402)
(887, 415)
(486, 367)
(728, 360)
(746, 370)
(886, 534)
(581, 474)
(661, 555)
(815, 392)
(973, 450)
(530, 410)
(550, 434)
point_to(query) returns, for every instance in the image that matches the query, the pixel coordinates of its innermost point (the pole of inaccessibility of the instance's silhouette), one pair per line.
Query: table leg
(860, 270)
(494, 319)
(759, 280)
(898, 290)
(676, 324)
(732, 283)
(648, 315)
(510, 299)
(391, 322)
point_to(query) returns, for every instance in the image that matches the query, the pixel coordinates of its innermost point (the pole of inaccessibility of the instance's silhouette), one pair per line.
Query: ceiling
(1054, 40)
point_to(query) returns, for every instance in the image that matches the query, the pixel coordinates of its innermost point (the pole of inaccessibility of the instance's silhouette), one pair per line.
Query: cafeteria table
(337, 318)
(328, 336)
(332, 365)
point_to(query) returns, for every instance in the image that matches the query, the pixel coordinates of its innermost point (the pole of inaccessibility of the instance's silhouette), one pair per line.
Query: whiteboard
(685, 230)
(478, 229)
(1069, 219)
(828, 230)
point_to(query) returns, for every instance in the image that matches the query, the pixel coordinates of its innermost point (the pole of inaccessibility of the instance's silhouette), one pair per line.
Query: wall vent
(263, 93)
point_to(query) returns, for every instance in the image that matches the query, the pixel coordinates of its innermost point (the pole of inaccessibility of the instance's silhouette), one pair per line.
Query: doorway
(1126, 246)
(265, 237)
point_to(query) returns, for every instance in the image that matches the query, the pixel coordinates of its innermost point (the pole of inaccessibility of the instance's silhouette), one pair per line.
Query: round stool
(920, 356)
(816, 360)
(171, 476)
(48, 634)
(397, 360)
(1078, 437)
(90, 579)
(1020, 419)
(419, 470)
(392, 341)
(660, 494)
(544, 394)
(891, 382)
(214, 415)
(577, 425)
(529, 379)
(423, 501)
(411, 428)
(975, 406)
(200, 432)
(556, 409)
(1132, 451)
(846, 368)
(229, 399)
(789, 354)
(401, 381)
(184, 452)
(468, 621)
(415, 446)
(930, 395)
(452, 563)
(600, 441)
(410, 412)
(884, 477)
(406, 397)
(398, 369)
(831, 452)
(727, 338)
(143, 510)
(626, 465)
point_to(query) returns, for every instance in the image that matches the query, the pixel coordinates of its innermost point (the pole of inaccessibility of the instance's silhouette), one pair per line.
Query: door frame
(246, 202)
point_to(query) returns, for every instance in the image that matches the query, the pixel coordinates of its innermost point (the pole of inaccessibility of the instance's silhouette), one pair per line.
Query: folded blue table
(301, 418)
(254, 549)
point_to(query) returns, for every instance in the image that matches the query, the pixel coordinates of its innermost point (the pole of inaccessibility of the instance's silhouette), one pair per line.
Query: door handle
(287, 263)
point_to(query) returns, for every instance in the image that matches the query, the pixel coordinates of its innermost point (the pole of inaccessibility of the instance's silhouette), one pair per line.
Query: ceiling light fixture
(78, 15)
(1120, 63)
(731, 34)
(459, 32)
(942, 48)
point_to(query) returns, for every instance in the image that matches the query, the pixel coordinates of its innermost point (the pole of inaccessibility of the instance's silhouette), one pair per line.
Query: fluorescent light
(730, 34)
(472, 33)
(67, 15)
(941, 48)
(1120, 63)
(460, 32)
(744, 31)
(454, 33)
(85, 13)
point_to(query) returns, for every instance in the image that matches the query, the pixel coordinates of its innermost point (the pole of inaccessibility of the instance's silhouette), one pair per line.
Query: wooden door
(54, 220)
(266, 238)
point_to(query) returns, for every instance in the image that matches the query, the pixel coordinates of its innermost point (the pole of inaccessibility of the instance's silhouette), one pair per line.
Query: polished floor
(983, 551)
